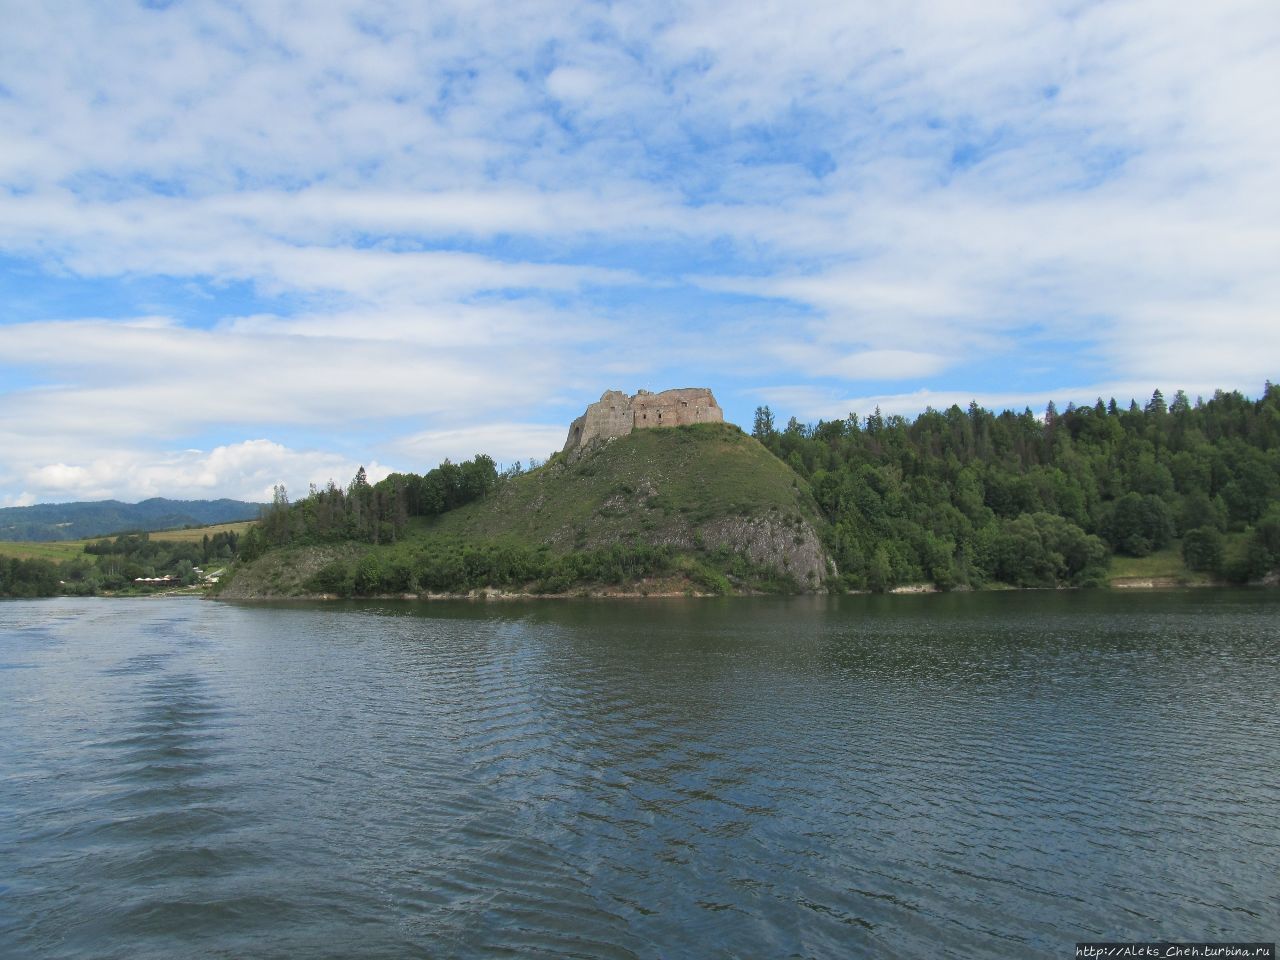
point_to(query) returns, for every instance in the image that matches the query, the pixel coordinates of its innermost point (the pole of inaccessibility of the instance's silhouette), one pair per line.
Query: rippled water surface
(964, 776)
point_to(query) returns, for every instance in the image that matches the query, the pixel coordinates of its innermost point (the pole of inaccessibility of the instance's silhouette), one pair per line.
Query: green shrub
(334, 577)
(1202, 550)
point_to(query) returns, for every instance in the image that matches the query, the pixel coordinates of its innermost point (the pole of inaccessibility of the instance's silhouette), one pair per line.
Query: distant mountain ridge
(97, 518)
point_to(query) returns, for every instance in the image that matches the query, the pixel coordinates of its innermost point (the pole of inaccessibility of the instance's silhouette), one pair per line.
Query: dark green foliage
(1040, 550)
(446, 565)
(1245, 559)
(336, 577)
(1198, 510)
(1257, 554)
(1267, 533)
(762, 428)
(1137, 524)
(371, 513)
(368, 577)
(28, 578)
(1202, 550)
(454, 566)
(965, 496)
(252, 545)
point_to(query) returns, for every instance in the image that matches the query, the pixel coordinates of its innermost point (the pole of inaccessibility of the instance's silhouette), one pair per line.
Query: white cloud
(572, 83)
(504, 442)
(267, 374)
(462, 218)
(247, 471)
(824, 359)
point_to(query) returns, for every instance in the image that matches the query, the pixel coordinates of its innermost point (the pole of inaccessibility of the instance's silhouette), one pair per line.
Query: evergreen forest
(973, 498)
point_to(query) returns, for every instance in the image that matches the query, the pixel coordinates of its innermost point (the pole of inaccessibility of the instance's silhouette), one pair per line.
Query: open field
(198, 533)
(59, 550)
(1161, 563)
(1167, 564)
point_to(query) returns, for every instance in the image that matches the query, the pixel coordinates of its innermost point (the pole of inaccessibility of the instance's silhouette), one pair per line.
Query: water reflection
(983, 775)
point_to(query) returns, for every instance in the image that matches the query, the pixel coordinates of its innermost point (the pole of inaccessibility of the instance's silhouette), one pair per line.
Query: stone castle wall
(675, 408)
(615, 414)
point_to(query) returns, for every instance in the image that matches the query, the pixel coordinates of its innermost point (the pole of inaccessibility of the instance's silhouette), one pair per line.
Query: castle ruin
(615, 414)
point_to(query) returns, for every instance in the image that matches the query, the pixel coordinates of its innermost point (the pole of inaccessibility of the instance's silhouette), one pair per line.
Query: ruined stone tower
(615, 414)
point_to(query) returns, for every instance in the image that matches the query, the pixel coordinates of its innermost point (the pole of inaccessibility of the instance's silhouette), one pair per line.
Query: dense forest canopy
(968, 497)
(372, 513)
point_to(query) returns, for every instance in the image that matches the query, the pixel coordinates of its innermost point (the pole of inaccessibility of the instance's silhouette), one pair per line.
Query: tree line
(113, 564)
(967, 497)
(957, 497)
(369, 512)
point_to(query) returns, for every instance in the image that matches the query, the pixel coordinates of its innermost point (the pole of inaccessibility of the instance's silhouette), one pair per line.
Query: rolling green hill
(703, 504)
(653, 486)
(99, 518)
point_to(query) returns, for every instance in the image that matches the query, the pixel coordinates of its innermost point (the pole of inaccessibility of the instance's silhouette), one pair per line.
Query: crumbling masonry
(615, 414)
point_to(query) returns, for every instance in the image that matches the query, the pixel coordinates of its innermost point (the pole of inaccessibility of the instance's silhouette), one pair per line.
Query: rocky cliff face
(772, 541)
(615, 415)
(789, 545)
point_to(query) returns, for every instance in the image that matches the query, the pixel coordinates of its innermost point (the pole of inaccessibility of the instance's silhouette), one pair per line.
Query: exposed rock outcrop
(792, 547)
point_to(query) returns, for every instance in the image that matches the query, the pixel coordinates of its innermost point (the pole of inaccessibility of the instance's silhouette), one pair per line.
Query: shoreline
(668, 591)
(491, 595)
(495, 595)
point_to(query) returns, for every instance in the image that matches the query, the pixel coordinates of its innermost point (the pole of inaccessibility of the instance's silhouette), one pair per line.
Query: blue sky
(243, 244)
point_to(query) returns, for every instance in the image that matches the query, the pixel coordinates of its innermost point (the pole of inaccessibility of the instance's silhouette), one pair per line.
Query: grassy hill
(702, 506)
(655, 486)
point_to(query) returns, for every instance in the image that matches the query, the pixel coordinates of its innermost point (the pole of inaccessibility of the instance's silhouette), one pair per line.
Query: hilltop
(98, 518)
(706, 487)
(703, 508)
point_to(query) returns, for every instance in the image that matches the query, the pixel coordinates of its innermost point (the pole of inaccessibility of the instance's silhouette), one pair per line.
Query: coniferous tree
(762, 428)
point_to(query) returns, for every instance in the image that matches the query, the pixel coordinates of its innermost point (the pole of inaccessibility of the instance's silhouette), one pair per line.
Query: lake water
(993, 775)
